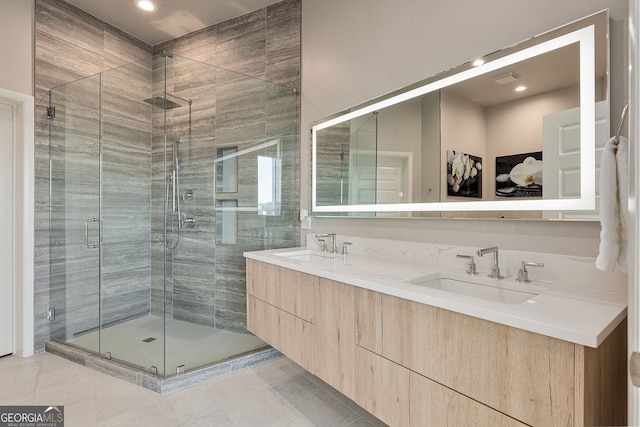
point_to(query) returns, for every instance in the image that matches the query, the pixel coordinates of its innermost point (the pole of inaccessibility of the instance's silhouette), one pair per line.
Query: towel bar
(622, 117)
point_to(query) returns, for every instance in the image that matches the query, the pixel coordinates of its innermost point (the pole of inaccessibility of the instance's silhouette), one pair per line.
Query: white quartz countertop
(566, 311)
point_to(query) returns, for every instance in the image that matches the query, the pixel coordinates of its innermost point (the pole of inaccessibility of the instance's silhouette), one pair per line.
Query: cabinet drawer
(291, 335)
(382, 387)
(289, 290)
(432, 404)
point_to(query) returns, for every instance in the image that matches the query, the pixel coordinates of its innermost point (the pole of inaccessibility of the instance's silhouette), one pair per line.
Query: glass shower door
(128, 332)
(75, 233)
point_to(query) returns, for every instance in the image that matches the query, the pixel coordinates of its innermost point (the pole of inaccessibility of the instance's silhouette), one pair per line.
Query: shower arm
(188, 101)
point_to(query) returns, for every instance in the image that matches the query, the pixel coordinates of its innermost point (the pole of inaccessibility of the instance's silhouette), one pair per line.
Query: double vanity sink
(567, 311)
(471, 286)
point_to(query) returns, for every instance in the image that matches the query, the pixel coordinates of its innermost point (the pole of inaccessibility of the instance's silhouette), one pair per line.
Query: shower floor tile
(142, 342)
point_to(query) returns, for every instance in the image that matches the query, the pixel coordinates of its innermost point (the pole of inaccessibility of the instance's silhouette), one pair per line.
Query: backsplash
(561, 270)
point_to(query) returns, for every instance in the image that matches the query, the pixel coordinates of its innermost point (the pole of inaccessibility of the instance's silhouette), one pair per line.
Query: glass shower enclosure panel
(100, 220)
(75, 211)
(128, 333)
(163, 173)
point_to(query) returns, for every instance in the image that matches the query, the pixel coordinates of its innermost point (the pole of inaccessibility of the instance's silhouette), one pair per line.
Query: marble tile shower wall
(233, 106)
(126, 191)
(71, 45)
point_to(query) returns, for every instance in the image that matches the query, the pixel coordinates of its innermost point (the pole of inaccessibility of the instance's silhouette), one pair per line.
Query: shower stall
(163, 172)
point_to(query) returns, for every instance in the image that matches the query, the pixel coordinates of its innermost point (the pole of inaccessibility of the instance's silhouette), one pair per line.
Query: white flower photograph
(519, 175)
(464, 174)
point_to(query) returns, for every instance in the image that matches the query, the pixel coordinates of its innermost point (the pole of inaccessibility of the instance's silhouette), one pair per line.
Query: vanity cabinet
(410, 363)
(530, 377)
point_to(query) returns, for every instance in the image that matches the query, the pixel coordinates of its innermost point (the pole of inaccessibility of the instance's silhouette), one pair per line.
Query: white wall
(356, 50)
(634, 194)
(462, 128)
(16, 88)
(16, 45)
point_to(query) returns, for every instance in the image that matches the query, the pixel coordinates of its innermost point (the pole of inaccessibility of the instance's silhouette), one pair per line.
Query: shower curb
(156, 383)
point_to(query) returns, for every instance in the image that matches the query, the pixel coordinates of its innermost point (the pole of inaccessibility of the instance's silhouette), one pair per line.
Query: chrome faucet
(523, 273)
(334, 246)
(495, 269)
(344, 248)
(471, 266)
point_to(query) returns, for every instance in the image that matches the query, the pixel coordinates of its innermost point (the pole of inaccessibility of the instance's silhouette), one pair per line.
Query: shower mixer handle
(188, 221)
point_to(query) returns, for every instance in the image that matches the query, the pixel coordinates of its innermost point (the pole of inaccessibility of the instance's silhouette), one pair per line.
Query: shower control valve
(188, 220)
(188, 195)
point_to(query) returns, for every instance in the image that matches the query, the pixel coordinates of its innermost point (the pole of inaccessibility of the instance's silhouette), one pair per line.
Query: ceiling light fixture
(521, 88)
(146, 5)
(478, 62)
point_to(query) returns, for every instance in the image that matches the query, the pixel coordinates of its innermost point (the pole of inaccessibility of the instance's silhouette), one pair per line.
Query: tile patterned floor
(276, 393)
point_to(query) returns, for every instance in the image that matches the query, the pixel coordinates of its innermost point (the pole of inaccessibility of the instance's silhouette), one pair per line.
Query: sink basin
(305, 255)
(476, 290)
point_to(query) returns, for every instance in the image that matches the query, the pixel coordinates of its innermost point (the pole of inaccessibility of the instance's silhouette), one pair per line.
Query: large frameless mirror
(514, 134)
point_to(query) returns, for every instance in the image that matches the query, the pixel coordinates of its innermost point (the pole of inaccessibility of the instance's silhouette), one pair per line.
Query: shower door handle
(86, 233)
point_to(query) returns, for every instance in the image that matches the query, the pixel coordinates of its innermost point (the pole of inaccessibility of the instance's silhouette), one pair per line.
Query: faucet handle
(344, 247)
(324, 244)
(523, 273)
(471, 266)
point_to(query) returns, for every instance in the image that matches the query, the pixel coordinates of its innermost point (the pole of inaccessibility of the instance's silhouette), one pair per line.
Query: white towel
(614, 190)
(622, 162)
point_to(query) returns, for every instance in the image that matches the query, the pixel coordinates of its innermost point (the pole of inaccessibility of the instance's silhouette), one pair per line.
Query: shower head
(159, 102)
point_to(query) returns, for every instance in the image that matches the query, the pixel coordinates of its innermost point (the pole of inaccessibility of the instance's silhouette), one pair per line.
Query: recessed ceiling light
(521, 88)
(478, 62)
(146, 5)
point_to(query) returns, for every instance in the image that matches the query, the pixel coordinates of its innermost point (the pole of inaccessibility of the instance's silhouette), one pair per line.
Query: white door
(392, 182)
(6, 228)
(561, 161)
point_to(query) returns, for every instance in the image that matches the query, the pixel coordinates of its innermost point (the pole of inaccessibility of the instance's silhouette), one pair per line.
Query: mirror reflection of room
(512, 133)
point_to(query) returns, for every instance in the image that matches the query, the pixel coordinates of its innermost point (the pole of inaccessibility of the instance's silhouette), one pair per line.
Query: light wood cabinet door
(382, 387)
(368, 308)
(295, 293)
(334, 335)
(289, 334)
(432, 404)
(289, 290)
